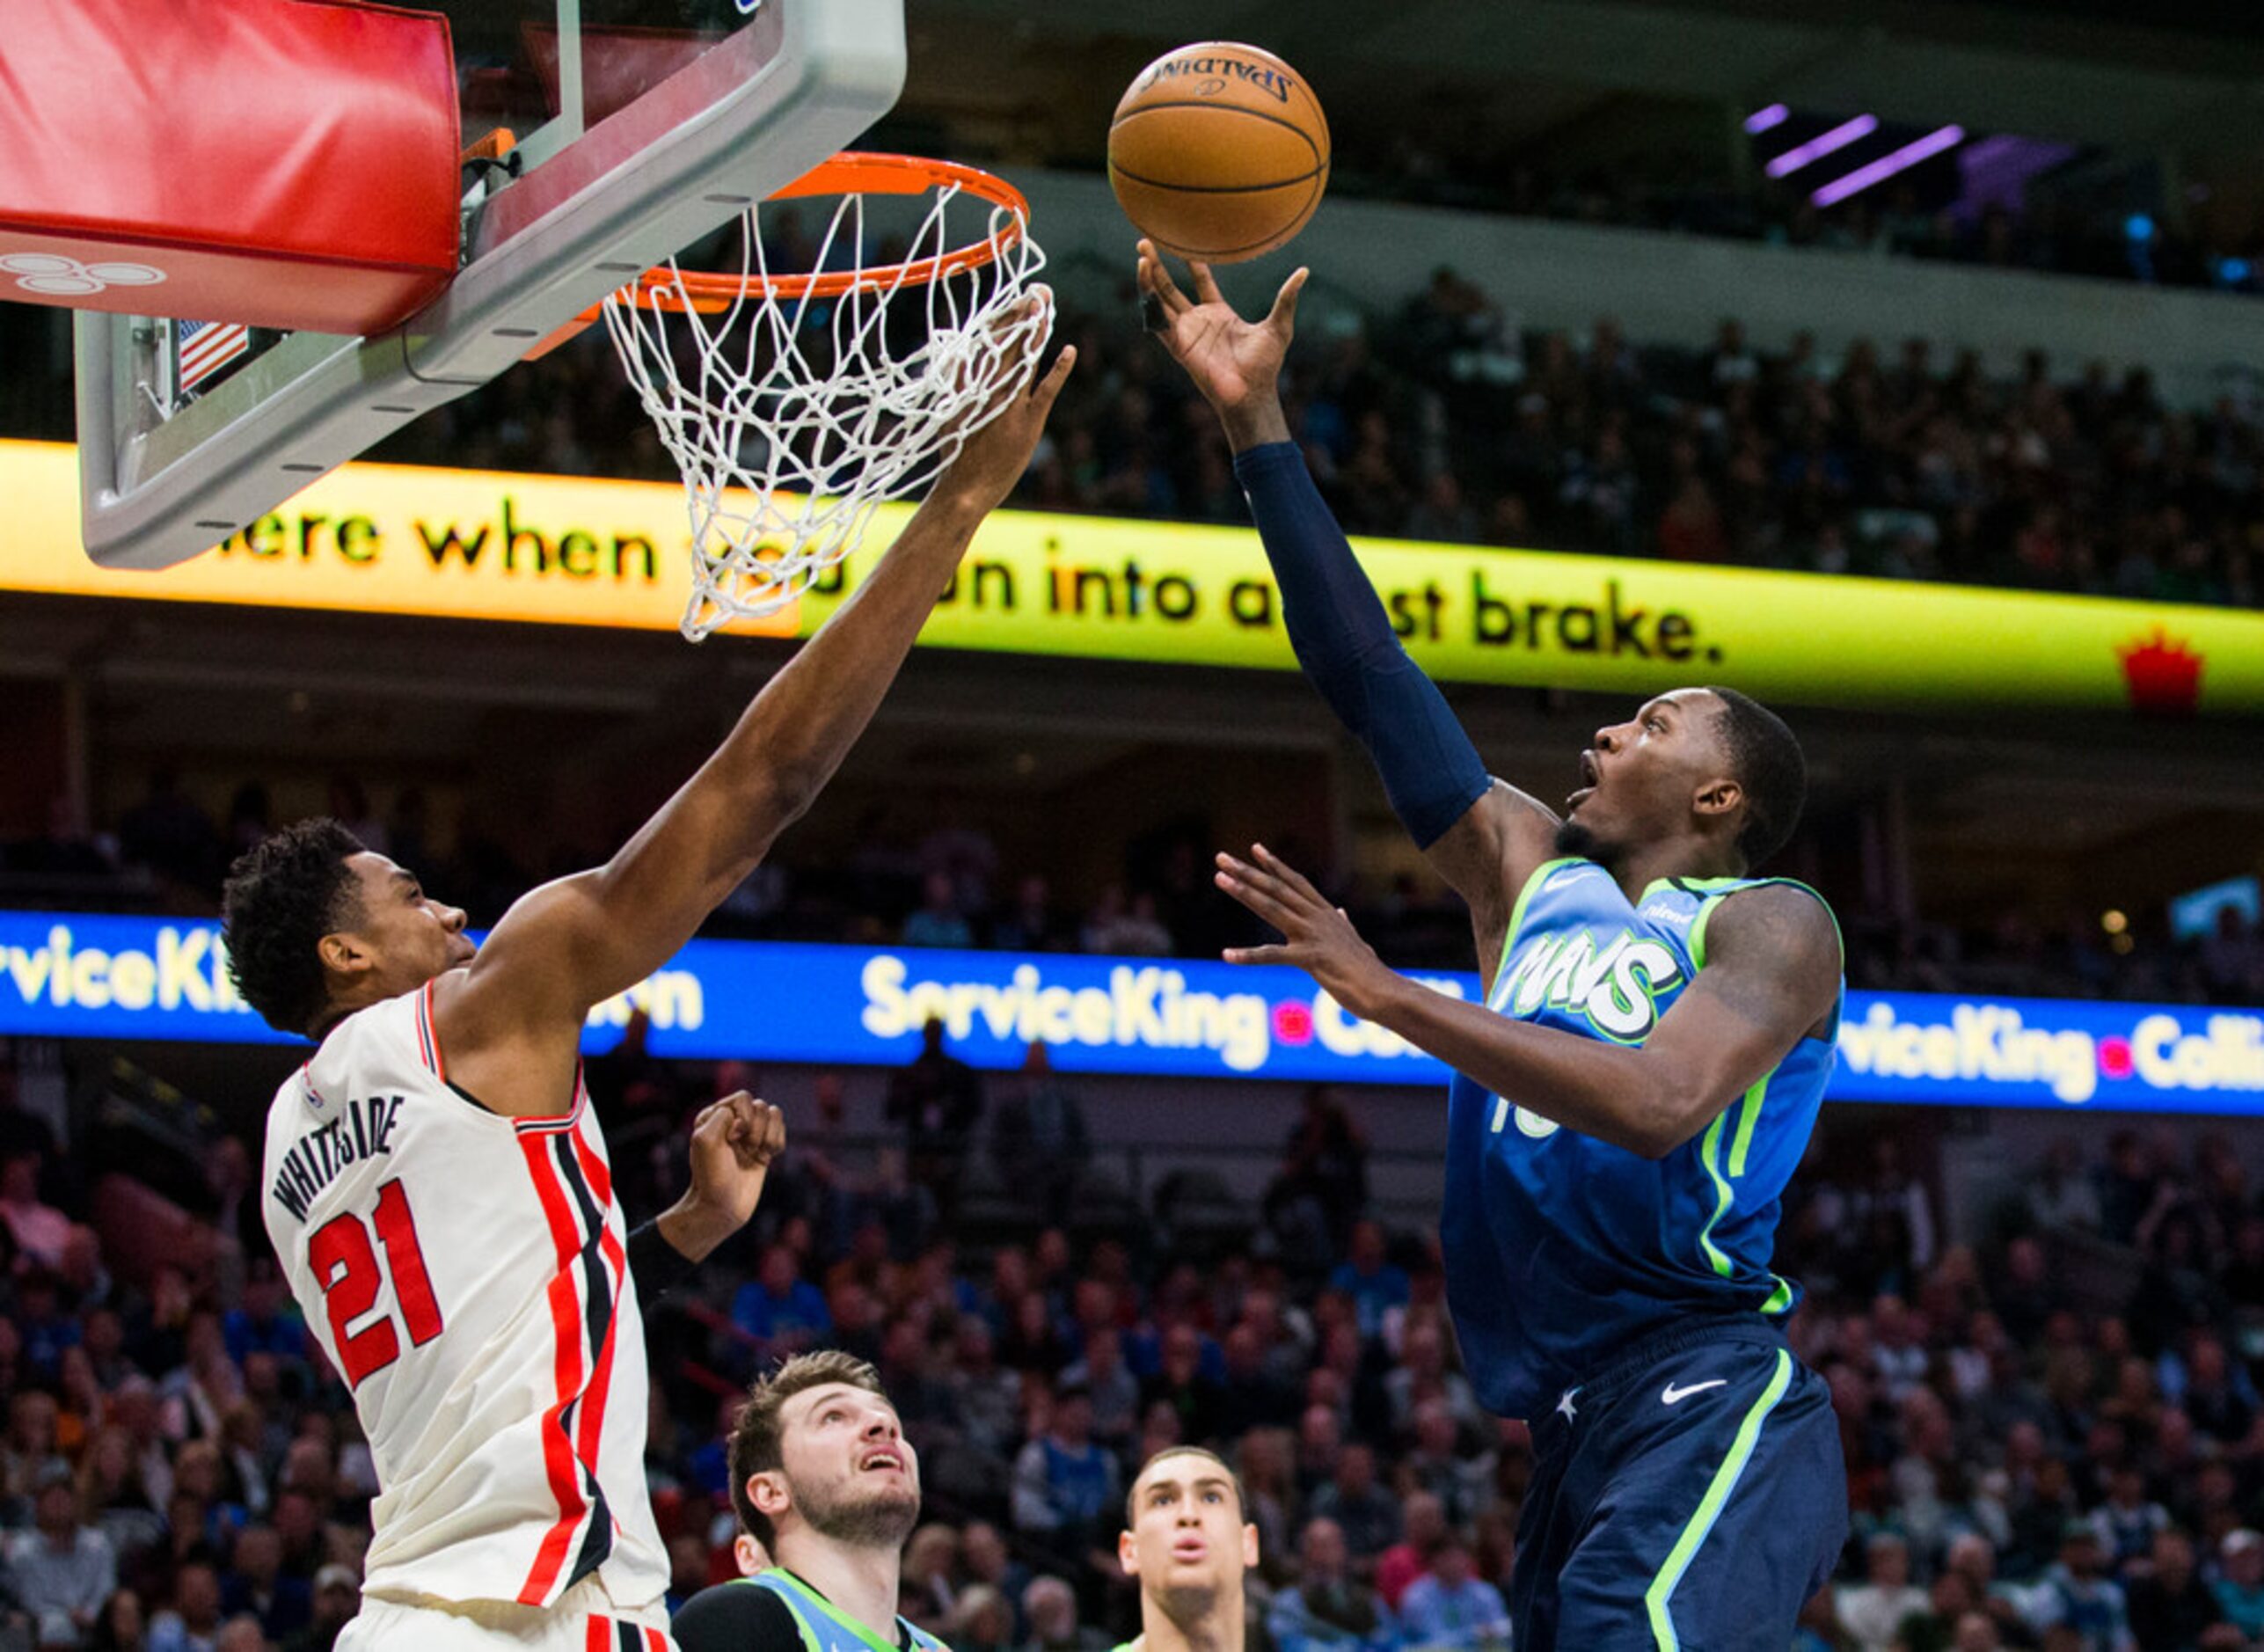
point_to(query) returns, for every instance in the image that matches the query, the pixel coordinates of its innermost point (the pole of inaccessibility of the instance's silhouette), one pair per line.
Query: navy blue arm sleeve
(1345, 642)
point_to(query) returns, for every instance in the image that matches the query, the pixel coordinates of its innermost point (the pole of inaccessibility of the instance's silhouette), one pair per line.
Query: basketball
(1218, 151)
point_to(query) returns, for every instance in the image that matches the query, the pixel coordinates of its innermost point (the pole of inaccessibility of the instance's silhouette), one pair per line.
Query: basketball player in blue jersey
(1627, 1104)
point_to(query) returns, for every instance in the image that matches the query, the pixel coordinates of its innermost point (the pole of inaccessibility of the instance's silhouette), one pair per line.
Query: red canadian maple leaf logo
(2163, 674)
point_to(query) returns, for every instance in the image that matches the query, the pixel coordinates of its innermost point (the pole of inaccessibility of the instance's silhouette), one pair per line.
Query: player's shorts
(585, 1620)
(1690, 1494)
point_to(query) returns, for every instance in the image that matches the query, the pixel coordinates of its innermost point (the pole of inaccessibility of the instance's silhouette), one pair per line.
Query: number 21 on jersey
(345, 1262)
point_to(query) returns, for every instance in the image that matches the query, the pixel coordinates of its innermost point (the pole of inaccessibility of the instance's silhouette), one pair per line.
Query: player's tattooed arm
(1772, 978)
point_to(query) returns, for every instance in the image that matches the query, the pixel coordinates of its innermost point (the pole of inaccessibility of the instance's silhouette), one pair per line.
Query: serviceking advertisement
(81, 975)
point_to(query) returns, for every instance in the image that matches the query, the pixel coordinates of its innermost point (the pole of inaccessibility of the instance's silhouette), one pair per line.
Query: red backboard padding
(280, 163)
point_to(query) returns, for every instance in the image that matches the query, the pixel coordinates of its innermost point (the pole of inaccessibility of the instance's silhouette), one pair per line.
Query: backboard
(638, 126)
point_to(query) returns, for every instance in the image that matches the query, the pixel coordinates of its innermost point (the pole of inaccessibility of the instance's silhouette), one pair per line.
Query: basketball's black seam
(1221, 189)
(1228, 251)
(1234, 108)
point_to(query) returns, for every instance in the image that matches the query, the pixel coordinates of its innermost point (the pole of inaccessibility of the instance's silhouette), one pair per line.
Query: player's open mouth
(882, 1459)
(1591, 774)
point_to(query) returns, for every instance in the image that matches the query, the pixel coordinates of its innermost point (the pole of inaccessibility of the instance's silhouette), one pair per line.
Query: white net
(791, 417)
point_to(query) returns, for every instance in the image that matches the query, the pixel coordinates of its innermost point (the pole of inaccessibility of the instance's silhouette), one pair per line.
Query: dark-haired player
(1628, 1102)
(437, 1188)
(823, 1480)
(1189, 1545)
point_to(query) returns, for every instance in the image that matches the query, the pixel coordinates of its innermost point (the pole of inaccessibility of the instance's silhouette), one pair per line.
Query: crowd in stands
(2054, 1438)
(1449, 421)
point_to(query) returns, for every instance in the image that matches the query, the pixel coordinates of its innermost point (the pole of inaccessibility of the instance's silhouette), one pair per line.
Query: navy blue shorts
(1691, 1495)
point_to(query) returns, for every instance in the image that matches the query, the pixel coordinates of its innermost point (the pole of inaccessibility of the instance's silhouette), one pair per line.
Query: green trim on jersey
(1754, 1099)
(1533, 882)
(808, 1607)
(1724, 1195)
(1687, 886)
(1656, 1597)
(1748, 1114)
(1706, 912)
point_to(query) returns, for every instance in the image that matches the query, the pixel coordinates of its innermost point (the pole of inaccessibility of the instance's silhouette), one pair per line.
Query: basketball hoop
(793, 403)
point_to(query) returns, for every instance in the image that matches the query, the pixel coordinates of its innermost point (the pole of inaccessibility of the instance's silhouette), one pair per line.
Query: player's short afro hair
(283, 896)
(1769, 766)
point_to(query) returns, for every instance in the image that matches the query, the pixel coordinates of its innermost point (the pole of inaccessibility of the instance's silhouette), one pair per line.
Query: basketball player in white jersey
(434, 1182)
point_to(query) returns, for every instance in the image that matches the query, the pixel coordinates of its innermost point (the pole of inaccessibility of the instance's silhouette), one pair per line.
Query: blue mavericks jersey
(1561, 1250)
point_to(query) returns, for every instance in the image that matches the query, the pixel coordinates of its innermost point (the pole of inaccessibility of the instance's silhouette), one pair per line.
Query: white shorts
(585, 1620)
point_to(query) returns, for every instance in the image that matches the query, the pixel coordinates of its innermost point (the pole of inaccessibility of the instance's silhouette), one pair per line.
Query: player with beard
(1628, 1102)
(1188, 1544)
(822, 1478)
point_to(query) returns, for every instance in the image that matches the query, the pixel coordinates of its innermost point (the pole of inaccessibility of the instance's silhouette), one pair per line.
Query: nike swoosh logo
(1675, 1396)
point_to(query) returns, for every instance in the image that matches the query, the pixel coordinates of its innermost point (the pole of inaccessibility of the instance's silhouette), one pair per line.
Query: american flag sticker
(204, 347)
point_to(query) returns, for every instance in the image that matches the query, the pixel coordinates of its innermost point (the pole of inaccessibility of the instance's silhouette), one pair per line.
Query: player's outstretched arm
(1772, 978)
(576, 942)
(1483, 837)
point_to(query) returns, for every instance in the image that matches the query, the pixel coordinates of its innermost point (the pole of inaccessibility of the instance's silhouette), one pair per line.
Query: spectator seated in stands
(2239, 1583)
(782, 1311)
(1872, 1611)
(1366, 1514)
(937, 921)
(1066, 1487)
(257, 1584)
(1451, 1606)
(2168, 1602)
(62, 1571)
(1376, 1285)
(1115, 1393)
(1423, 1530)
(2077, 1595)
(1326, 1610)
(193, 1621)
(337, 1597)
(1049, 1605)
(1182, 1382)
(267, 1321)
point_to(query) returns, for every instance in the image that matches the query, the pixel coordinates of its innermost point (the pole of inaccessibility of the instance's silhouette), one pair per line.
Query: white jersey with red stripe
(467, 1273)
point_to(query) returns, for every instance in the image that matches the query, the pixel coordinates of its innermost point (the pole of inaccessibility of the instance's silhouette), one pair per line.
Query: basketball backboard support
(640, 126)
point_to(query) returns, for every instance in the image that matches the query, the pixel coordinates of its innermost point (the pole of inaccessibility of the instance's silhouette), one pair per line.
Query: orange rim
(851, 173)
(848, 174)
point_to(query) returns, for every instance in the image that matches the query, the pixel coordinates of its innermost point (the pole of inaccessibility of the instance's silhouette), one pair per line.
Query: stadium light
(1887, 165)
(1761, 119)
(1839, 137)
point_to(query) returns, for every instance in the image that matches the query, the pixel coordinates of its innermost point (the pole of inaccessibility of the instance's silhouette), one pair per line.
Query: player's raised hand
(733, 1143)
(1317, 937)
(1237, 364)
(996, 455)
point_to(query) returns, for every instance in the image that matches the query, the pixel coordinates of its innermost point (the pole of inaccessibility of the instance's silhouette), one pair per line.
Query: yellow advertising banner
(574, 551)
